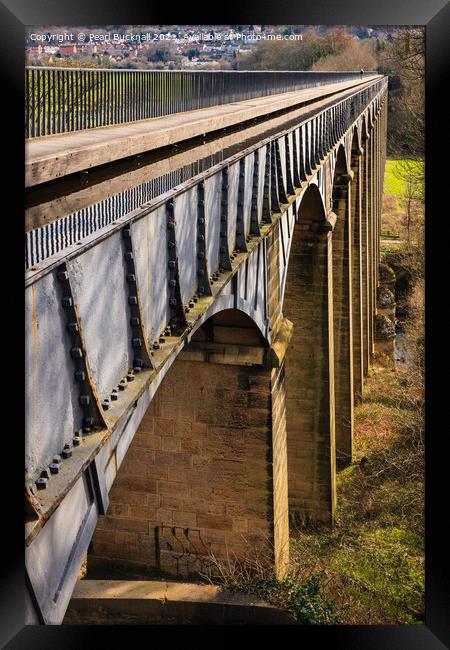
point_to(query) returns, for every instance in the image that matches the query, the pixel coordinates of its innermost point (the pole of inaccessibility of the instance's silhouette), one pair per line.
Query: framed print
(231, 414)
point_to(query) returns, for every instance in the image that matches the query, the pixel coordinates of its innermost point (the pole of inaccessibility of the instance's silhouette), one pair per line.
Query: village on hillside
(161, 47)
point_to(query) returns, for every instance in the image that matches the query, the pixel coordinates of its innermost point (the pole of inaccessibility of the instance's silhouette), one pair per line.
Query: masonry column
(370, 204)
(377, 201)
(343, 318)
(375, 204)
(357, 285)
(308, 303)
(206, 474)
(380, 180)
(370, 238)
(365, 255)
(377, 215)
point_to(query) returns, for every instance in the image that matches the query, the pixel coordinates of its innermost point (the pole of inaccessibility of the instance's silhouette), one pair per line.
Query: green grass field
(392, 185)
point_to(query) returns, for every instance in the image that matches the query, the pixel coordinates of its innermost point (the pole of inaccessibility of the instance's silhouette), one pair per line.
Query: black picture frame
(15, 16)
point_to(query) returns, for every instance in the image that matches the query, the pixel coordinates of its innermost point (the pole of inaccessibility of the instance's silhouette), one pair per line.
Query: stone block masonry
(206, 473)
(310, 368)
(343, 318)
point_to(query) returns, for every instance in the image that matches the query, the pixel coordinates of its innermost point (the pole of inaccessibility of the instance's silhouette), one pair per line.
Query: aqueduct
(193, 366)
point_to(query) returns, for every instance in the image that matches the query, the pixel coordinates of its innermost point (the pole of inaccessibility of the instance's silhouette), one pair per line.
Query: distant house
(68, 50)
(88, 48)
(34, 48)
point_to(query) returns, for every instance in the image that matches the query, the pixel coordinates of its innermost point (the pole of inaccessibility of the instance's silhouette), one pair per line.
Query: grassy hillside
(373, 560)
(369, 569)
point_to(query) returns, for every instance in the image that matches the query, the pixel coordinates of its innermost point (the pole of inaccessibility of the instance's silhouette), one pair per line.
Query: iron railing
(61, 100)
(54, 237)
(321, 132)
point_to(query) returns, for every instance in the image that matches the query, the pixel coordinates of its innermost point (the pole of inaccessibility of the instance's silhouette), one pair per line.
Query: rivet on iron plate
(66, 452)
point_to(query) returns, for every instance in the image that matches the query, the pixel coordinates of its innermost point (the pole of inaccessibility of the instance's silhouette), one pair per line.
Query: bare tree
(404, 61)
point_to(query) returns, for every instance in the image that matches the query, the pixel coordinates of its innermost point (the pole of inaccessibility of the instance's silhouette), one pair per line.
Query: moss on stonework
(385, 297)
(384, 328)
(386, 274)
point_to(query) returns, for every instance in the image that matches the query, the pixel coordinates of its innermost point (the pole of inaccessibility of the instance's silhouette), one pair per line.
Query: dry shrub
(253, 573)
(235, 570)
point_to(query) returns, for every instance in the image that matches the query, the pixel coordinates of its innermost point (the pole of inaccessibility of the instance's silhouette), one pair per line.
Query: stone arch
(206, 471)
(340, 165)
(226, 303)
(342, 309)
(309, 365)
(226, 325)
(364, 130)
(355, 145)
(312, 193)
